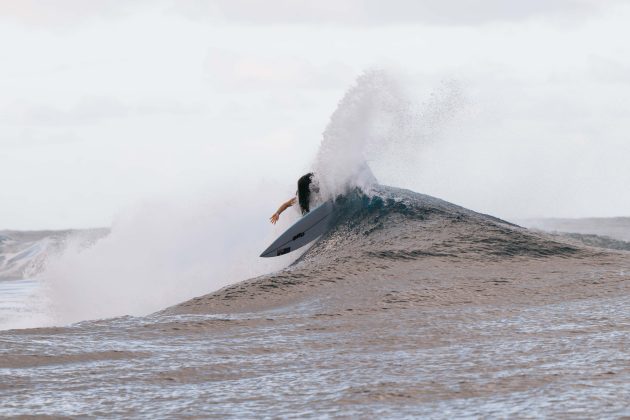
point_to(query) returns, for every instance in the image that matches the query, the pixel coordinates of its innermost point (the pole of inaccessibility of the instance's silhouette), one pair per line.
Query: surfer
(303, 197)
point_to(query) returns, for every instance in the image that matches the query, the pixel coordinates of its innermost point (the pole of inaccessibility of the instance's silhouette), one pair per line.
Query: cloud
(233, 71)
(92, 110)
(61, 13)
(64, 12)
(89, 109)
(378, 12)
(608, 70)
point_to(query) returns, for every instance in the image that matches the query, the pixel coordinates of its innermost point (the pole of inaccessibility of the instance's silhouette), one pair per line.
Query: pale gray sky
(107, 103)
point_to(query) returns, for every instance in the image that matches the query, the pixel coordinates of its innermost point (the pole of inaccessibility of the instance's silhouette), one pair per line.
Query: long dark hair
(304, 192)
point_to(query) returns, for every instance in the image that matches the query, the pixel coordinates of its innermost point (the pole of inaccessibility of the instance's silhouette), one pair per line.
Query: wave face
(396, 224)
(388, 233)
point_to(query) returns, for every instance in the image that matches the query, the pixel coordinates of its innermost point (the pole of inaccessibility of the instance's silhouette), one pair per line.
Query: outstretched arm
(274, 218)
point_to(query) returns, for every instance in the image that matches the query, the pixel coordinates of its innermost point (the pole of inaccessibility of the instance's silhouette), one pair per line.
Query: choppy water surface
(562, 358)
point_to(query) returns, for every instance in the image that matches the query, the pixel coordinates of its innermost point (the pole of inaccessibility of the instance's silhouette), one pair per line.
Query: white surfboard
(305, 230)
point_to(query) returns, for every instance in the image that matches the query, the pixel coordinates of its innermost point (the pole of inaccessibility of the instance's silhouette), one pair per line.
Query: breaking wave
(166, 252)
(380, 235)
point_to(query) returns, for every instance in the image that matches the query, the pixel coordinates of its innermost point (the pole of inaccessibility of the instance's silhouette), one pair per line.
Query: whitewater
(409, 306)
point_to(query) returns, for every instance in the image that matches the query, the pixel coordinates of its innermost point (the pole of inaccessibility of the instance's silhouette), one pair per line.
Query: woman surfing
(303, 197)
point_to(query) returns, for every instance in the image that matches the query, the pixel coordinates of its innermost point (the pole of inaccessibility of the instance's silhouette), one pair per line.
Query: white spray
(376, 126)
(164, 252)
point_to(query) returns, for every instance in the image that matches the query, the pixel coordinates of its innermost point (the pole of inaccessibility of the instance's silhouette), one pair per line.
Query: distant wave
(23, 254)
(598, 241)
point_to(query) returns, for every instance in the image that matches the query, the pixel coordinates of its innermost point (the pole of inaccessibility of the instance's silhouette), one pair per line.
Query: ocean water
(408, 307)
(16, 301)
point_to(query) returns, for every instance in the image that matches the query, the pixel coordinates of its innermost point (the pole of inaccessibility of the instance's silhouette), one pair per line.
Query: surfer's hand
(274, 218)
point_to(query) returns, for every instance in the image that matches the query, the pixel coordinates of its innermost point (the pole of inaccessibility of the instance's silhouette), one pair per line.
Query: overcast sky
(107, 103)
